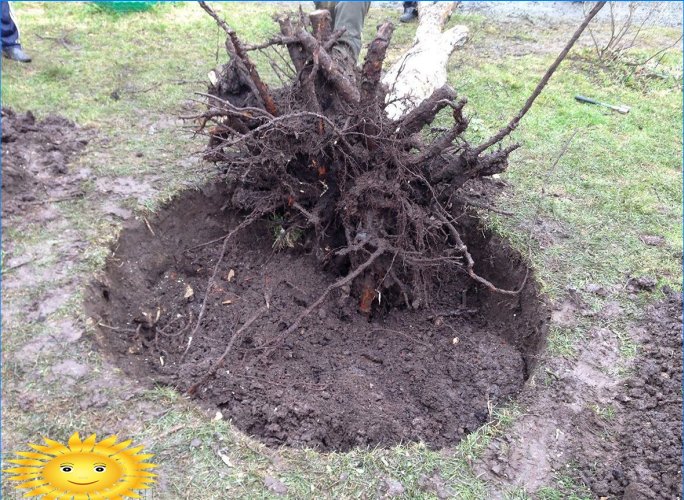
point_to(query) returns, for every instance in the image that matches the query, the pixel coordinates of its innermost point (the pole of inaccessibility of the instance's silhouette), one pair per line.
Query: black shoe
(410, 13)
(16, 54)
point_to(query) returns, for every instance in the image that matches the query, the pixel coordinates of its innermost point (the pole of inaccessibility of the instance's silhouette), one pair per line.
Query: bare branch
(219, 362)
(540, 86)
(239, 51)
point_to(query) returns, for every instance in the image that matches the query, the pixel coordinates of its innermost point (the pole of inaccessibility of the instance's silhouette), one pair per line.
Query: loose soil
(643, 457)
(620, 435)
(35, 155)
(342, 380)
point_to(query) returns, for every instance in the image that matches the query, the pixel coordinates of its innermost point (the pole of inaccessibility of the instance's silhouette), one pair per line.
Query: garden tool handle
(582, 98)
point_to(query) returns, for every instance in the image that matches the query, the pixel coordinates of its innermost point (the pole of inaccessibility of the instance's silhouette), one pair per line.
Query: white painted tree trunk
(422, 69)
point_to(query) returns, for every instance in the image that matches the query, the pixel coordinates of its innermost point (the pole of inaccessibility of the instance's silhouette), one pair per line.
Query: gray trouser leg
(349, 15)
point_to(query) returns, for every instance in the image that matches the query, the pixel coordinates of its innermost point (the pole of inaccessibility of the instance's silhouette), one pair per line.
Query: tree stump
(351, 172)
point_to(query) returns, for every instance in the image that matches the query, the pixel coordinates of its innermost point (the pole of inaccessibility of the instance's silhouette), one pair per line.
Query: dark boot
(16, 54)
(410, 13)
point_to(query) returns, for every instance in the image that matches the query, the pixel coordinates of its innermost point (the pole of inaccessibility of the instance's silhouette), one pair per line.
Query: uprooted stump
(371, 198)
(328, 209)
(365, 193)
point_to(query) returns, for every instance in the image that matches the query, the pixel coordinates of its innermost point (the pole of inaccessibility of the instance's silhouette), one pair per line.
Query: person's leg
(326, 6)
(11, 48)
(10, 32)
(350, 15)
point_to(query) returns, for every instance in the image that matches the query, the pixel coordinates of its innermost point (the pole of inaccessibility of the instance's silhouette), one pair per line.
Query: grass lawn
(129, 76)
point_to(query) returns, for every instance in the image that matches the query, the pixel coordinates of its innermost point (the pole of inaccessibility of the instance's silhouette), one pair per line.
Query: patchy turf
(36, 155)
(610, 211)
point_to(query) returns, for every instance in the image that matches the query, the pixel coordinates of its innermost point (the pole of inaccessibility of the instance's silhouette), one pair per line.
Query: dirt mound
(644, 461)
(342, 379)
(35, 155)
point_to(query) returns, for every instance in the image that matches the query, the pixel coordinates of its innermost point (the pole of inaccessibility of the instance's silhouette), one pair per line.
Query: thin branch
(219, 21)
(546, 180)
(71, 197)
(242, 111)
(540, 86)
(239, 51)
(486, 206)
(649, 59)
(276, 40)
(159, 84)
(17, 266)
(249, 220)
(219, 362)
(405, 335)
(288, 118)
(470, 263)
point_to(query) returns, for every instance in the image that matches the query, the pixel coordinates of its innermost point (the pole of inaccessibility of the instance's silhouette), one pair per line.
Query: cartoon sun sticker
(83, 470)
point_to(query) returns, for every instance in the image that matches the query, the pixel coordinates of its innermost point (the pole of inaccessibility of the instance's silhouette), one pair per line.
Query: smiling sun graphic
(83, 470)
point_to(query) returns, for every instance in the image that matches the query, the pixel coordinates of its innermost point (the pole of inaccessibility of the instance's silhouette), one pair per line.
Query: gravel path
(653, 13)
(664, 13)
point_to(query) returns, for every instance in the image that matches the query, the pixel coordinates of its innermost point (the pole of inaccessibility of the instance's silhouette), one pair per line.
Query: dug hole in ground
(348, 375)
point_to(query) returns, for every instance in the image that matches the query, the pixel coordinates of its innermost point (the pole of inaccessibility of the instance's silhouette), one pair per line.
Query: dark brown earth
(585, 421)
(343, 380)
(35, 155)
(644, 458)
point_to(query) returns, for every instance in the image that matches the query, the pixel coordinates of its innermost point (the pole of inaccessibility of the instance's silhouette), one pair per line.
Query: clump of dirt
(341, 379)
(35, 155)
(644, 458)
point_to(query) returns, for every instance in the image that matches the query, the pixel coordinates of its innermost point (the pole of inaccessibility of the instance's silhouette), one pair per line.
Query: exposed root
(338, 284)
(219, 362)
(253, 217)
(470, 263)
(375, 196)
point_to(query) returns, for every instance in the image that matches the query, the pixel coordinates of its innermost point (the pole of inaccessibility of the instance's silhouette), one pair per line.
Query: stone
(275, 485)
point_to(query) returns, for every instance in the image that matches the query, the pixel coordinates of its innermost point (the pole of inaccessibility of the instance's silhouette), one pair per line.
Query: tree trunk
(422, 69)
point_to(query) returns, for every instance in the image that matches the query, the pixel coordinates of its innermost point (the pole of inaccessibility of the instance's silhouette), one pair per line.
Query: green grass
(620, 179)
(605, 412)
(565, 487)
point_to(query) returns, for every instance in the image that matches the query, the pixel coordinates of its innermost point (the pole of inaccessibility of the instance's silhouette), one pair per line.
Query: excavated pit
(343, 380)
